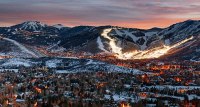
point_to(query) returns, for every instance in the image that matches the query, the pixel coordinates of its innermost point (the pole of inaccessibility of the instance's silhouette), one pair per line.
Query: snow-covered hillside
(181, 31)
(126, 43)
(67, 65)
(22, 47)
(32, 25)
(129, 43)
(12, 48)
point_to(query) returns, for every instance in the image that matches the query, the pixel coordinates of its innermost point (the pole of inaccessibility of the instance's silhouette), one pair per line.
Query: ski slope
(22, 47)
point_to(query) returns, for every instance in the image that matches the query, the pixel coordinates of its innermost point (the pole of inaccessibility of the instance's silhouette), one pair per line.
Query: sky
(126, 13)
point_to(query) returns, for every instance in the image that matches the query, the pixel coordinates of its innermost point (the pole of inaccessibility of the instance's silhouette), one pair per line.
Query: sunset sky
(126, 13)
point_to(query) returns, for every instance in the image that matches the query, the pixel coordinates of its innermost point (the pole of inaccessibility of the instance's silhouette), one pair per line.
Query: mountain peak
(34, 23)
(31, 26)
(59, 26)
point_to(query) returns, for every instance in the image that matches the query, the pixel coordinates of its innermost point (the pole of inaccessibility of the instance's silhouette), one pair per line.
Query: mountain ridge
(129, 41)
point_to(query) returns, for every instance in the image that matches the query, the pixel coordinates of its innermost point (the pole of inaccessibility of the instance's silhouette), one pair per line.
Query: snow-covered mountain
(35, 26)
(59, 26)
(130, 43)
(180, 39)
(33, 33)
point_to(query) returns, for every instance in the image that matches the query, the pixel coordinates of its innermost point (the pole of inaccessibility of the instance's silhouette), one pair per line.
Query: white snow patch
(161, 87)
(59, 26)
(62, 71)
(17, 62)
(15, 70)
(53, 63)
(167, 42)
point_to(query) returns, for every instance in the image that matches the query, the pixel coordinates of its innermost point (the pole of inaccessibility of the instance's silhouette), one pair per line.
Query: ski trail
(100, 45)
(23, 48)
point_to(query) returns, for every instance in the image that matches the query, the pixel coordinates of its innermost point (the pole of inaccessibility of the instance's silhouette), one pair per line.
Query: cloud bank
(127, 13)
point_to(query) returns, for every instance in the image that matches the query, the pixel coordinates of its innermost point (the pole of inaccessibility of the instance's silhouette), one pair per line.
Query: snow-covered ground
(161, 87)
(119, 98)
(64, 71)
(17, 62)
(190, 97)
(53, 63)
(15, 70)
(72, 65)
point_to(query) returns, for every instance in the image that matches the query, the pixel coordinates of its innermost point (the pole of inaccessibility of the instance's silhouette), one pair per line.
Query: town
(99, 53)
(159, 85)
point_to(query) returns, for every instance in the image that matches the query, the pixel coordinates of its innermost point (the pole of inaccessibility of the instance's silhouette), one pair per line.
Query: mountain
(33, 33)
(59, 26)
(34, 26)
(180, 40)
(91, 38)
(131, 43)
